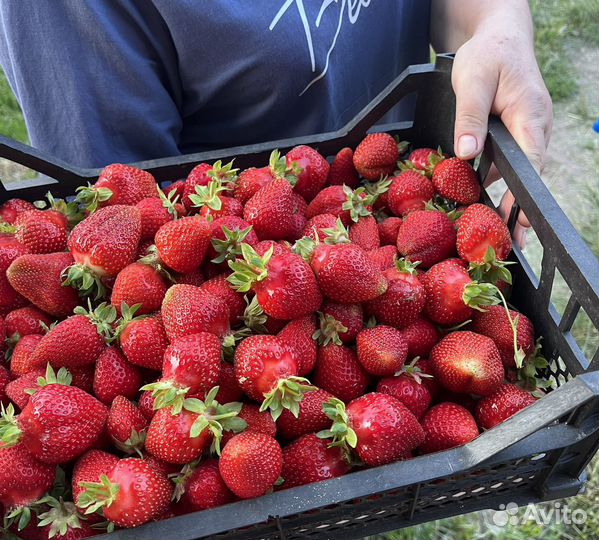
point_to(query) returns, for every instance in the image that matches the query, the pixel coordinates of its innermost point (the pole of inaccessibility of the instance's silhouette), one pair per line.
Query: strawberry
(379, 427)
(131, 494)
(25, 321)
(114, 376)
(143, 341)
(188, 310)
(205, 488)
(177, 188)
(58, 424)
(376, 156)
(202, 175)
(267, 372)
(339, 323)
(9, 210)
(456, 180)
(285, 285)
(338, 371)
(183, 437)
(310, 459)
(40, 231)
(250, 181)
(21, 359)
(481, 228)
(256, 420)
(228, 233)
(365, 233)
(463, 400)
(342, 171)
(271, 211)
(431, 383)
(424, 159)
(212, 200)
(409, 191)
(316, 225)
(23, 478)
(297, 337)
(427, 237)
(61, 521)
(89, 468)
(227, 383)
(76, 341)
(17, 390)
(381, 350)
(422, 336)
(83, 377)
(155, 212)
(126, 425)
(219, 286)
(447, 425)
(146, 405)
(194, 278)
(313, 170)
(383, 257)
(139, 283)
(251, 463)
(182, 244)
(468, 363)
(10, 249)
(256, 320)
(498, 407)
(330, 201)
(102, 245)
(39, 279)
(407, 386)
(388, 230)
(117, 184)
(10, 299)
(404, 299)
(5, 379)
(311, 417)
(192, 365)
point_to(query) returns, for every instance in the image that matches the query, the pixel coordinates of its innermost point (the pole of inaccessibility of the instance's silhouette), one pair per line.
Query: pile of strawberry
(239, 332)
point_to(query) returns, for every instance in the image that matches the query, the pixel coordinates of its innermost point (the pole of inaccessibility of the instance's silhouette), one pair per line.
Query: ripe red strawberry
(194, 278)
(10, 209)
(376, 156)
(251, 463)
(409, 191)
(114, 376)
(456, 180)
(10, 249)
(205, 488)
(16, 390)
(424, 159)
(422, 336)
(427, 237)
(330, 201)
(10, 299)
(279, 248)
(297, 337)
(404, 299)
(383, 257)
(365, 233)
(315, 226)
(182, 244)
(102, 245)
(388, 230)
(23, 478)
(176, 188)
(25, 321)
(219, 286)
(338, 371)
(447, 425)
(76, 341)
(342, 171)
(345, 273)
(267, 371)
(39, 279)
(339, 323)
(228, 388)
(379, 427)
(192, 365)
(311, 417)
(58, 423)
(310, 459)
(271, 211)
(131, 494)
(139, 283)
(498, 407)
(285, 285)
(256, 420)
(314, 170)
(481, 228)
(250, 181)
(40, 231)
(59, 520)
(467, 363)
(21, 359)
(118, 184)
(202, 175)
(381, 350)
(188, 310)
(227, 235)
(146, 405)
(432, 384)
(126, 425)
(143, 341)
(451, 295)
(5, 379)
(89, 468)
(155, 212)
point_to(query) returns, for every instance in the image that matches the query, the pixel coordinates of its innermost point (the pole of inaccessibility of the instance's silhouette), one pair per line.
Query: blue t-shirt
(101, 81)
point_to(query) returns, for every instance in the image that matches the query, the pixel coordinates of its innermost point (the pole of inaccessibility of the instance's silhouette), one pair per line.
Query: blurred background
(567, 46)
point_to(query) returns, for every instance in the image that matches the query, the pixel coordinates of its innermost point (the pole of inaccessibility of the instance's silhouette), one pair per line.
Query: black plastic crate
(538, 455)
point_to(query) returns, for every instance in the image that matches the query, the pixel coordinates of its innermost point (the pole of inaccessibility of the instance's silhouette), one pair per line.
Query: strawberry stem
(329, 331)
(340, 432)
(249, 270)
(97, 494)
(90, 198)
(230, 248)
(10, 432)
(287, 394)
(83, 279)
(167, 394)
(62, 517)
(491, 270)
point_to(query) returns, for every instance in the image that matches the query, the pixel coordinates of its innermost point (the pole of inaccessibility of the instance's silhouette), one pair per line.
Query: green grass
(11, 119)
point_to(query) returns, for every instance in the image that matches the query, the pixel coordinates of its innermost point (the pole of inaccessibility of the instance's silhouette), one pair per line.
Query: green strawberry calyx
(85, 281)
(329, 330)
(98, 495)
(254, 317)
(71, 210)
(10, 432)
(359, 202)
(223, 174)
(169, 201)
(62, 516)
(405, 266)
(287, 394)
(279, 168)
(250, 269)
(134, 443)
(229, 249)
(63, 377)
(491, 269)
(180, 479)
(127, 316)
(340, 432)
(103, 317)
(337, 234)
(304, 247)
(151, 258)
(7, 228)
(90, 198)
(413, 370)
(209, 195)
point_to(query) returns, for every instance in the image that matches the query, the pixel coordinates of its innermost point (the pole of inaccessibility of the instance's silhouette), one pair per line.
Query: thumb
(475, 89)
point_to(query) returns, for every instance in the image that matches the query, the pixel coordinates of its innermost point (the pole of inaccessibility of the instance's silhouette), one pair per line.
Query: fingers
(522, 225)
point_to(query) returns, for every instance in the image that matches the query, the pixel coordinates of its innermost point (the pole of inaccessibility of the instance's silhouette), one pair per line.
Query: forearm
(453, 22)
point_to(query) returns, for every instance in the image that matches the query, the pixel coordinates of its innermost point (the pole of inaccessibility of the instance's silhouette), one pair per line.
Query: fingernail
(521, 240)
(467, 146)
